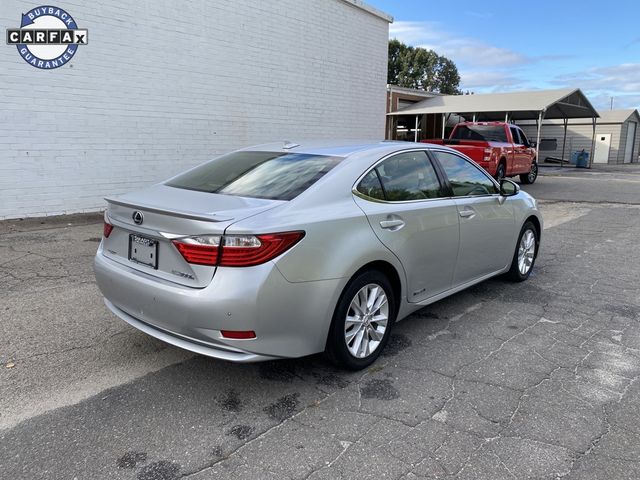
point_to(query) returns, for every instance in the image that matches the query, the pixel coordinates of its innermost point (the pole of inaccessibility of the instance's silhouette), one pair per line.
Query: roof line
(369, 9)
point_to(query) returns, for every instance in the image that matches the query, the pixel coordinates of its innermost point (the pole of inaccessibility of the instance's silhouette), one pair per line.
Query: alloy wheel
(366, 321)
(526, 251)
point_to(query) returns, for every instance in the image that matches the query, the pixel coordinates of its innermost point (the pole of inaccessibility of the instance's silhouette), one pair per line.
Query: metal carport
(536, 105)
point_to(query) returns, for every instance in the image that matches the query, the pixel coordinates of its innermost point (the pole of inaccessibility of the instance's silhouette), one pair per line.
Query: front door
(603, 145)
(403, 200)
(520, 152)
(487, 223)
(631, 141)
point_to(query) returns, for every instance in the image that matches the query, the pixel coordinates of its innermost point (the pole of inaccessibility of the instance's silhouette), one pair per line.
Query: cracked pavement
(501, 381)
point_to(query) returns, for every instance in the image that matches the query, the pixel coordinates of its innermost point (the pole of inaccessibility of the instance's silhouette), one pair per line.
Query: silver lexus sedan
(285, 250)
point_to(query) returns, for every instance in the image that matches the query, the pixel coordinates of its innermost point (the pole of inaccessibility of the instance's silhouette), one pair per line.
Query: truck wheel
(501, 171)
(529, 178)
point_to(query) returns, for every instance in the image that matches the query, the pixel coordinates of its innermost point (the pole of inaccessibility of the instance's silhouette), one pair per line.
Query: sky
(503, 46)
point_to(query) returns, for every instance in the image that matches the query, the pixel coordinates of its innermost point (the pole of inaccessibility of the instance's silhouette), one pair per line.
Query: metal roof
(562, 103)
(618, 116)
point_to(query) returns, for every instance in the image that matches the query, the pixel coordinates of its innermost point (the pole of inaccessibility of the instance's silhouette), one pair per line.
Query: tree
(416, 67)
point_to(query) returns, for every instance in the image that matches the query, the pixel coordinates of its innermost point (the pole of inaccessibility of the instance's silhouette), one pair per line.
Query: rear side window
(465, 178)
(406, 176)
(270, 175)
(371, 187)
(481, 133)
(516, 136)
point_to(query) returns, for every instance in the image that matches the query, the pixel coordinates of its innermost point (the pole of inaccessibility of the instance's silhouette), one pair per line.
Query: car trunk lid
(145, 223)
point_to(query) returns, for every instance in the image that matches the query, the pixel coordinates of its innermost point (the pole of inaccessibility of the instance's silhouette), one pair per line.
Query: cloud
(600, 84)
(487, 68)
(482, 15)
(462, 50)
(602, 101)
(490, 81)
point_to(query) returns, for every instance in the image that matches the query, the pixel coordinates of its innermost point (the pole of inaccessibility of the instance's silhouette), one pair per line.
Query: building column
(539, 125)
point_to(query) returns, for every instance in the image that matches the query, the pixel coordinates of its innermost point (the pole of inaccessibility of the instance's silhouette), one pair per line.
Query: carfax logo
(48, 37)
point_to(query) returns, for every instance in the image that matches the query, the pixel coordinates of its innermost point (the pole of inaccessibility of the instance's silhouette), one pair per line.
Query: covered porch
(434, 117)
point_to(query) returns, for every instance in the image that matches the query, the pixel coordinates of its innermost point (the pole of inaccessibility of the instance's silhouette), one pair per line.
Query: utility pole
(611, 107)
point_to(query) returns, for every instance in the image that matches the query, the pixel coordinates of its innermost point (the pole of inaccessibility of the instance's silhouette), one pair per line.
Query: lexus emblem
(138, 218)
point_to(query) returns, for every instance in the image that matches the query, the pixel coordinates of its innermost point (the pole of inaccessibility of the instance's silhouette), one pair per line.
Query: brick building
(158, 90)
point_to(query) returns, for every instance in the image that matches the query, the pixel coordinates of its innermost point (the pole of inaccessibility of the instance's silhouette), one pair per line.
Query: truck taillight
(487, 154)
(236, 250)
(106, 229)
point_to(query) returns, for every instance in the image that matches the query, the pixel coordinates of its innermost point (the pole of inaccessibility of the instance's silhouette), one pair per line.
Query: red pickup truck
(502, 149)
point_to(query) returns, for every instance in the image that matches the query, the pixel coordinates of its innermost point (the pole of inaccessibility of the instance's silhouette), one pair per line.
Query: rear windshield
(482, 133)
(271, 175)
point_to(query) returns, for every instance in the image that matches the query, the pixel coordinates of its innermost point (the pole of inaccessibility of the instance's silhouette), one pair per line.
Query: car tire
(529, 178)
(356, 338)
(525, 254)
(501, 171)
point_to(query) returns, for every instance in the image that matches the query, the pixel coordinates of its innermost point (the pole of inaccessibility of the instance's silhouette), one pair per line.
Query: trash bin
(580, 158)
(583, 160)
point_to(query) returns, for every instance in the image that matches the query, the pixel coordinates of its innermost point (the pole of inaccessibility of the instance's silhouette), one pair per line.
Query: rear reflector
(236, 250)
(238, 334)
(106, 229)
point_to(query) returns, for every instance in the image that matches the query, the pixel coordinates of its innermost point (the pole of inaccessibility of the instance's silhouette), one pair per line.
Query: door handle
(392, 224)
(467, 213)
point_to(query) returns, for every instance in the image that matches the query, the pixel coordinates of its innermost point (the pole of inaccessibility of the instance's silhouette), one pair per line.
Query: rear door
(520, 153)
(487, 223)
(406, 206)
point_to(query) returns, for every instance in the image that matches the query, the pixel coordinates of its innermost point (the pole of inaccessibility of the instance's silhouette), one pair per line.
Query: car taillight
(487, 154)
(199, 250)
(106, 229)
(248, 250)
(236, 250)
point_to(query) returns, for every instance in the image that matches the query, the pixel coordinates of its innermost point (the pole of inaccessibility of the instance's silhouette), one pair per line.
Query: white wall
(579, 137)
(165, 85)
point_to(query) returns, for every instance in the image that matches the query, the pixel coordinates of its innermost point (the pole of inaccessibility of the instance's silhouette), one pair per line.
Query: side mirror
(508, 188)
(532, 144)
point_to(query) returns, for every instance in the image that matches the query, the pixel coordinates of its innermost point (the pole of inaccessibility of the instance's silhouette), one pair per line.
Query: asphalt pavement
(531, 380)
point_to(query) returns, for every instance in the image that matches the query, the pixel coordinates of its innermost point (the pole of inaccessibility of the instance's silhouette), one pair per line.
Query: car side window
(525, 140)
(516, 136)
(406, 176)
(370, 186)
(465, 178)
(409, 176)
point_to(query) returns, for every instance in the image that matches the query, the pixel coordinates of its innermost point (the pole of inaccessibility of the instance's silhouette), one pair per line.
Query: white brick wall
(161, 88)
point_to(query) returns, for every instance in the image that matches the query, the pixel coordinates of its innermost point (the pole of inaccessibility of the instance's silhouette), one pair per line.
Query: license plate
(143, 250)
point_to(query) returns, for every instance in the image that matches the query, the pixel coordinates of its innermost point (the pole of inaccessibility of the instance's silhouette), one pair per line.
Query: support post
(564, 141)
(539, 125)
(593, 141)
(506, 117)
(415, 132)
(444, 123)
(474, 118)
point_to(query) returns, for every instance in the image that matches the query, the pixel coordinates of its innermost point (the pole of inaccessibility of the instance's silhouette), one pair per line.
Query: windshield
(486, 133)
(270, 175)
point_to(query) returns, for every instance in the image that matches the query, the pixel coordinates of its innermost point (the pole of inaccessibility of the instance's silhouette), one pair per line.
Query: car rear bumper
(220, 351)
(289, 319)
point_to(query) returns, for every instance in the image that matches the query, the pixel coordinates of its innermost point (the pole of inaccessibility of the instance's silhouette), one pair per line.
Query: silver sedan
(286, 250)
